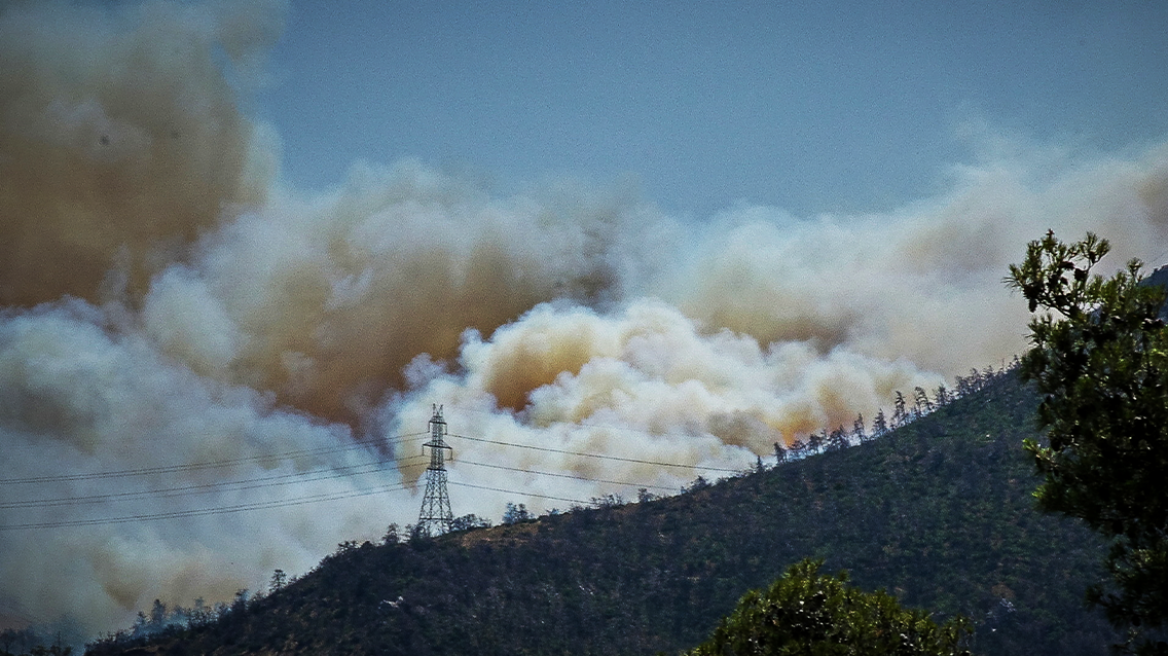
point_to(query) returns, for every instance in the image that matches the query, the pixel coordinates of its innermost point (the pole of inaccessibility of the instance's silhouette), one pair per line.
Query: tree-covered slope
(939, 513)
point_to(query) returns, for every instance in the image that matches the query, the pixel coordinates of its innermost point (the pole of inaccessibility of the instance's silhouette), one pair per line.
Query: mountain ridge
(937, 512)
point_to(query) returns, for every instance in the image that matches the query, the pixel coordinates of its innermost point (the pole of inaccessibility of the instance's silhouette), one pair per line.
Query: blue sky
(809, 106)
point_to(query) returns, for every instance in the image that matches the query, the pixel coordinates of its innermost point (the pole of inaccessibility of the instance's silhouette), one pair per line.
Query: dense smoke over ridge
(167, 303)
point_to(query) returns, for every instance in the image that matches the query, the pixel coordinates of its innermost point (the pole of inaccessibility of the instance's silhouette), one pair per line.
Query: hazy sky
(810, 106)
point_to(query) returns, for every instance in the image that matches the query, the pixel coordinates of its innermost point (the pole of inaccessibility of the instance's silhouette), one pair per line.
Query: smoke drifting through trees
(192, 309)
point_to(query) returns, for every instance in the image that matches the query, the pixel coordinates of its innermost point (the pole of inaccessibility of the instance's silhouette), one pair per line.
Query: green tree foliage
(279, 580)
(1100, 361)
(805, 612)
(469, 523)
(838, 440)
(858, 431)
(515, 514)
(899, 414)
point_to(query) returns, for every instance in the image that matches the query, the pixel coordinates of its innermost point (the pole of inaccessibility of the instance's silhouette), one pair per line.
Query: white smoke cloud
(79, 396)
(644, 383)
(167, 304)
(763, 327)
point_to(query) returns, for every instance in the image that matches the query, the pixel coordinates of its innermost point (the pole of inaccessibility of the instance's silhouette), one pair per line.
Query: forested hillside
(938, 512)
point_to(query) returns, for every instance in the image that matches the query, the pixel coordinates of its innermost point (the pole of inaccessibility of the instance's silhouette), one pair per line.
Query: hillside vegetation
(938, 513)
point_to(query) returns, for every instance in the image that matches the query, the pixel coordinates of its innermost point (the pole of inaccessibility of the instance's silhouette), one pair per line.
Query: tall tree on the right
(1100, 361)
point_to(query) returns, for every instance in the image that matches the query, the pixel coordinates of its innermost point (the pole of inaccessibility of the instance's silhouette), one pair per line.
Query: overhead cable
(214, 464)
(315, 474)
(597, 455)
(572, 476)
(529, 494)
(199, 512)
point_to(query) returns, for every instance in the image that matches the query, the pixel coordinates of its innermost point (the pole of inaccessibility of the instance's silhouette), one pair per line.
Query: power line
(1158, 258)
(398, 439)
(236, 485)
(597, 455)
(262, 505)
(285, 479)
(221, 510)
(215, 464)
(297, 501)
(529, 494)
(166, 469)
(572, 476)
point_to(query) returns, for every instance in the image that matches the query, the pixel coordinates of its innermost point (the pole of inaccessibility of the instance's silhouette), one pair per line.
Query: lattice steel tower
(436, 517)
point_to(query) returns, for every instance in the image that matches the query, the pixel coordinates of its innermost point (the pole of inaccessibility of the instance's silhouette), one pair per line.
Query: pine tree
(838, 440)
(815, 442)
(780, 454)
(899, 412)
(942, 395)
(279, 579)
(921, 401)
(858, 432)
(879, 424)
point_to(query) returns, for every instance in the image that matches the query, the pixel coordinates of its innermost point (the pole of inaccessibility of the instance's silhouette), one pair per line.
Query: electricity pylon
(435, 517)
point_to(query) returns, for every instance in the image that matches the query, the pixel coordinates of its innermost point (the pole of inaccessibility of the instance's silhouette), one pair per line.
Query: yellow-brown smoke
(121, 140)
(324, 302)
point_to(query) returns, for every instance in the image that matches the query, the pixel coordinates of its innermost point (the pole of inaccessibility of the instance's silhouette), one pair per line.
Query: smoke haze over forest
(170, 300)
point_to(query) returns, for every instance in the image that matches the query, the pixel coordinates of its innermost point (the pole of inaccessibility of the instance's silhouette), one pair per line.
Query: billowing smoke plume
(121, 138)
(80, 396)
(325, 301)
(181, 335)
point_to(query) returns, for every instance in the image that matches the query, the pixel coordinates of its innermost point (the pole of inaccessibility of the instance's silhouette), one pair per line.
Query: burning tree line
(906, 409)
